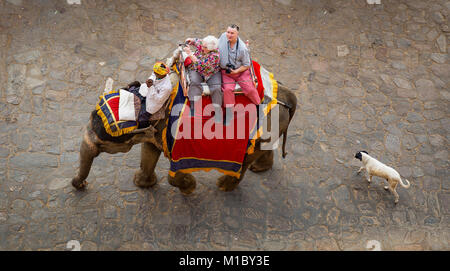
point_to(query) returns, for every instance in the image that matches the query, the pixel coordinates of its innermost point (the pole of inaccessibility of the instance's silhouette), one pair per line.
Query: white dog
(376, 168)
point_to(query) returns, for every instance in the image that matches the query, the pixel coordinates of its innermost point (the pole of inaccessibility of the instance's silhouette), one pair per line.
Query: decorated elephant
(97, 140)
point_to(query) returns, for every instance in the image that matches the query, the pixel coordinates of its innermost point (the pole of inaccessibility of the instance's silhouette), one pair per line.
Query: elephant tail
(284, 143)
(291, 104)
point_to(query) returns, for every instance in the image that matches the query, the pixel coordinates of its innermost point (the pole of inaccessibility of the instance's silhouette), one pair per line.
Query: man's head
(232, 33)
(160, 69)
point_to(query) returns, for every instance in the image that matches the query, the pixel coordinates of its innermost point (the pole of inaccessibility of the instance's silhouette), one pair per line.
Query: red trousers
(247, 86)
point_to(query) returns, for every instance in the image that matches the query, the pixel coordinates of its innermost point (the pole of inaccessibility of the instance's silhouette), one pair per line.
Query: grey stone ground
(372, 77)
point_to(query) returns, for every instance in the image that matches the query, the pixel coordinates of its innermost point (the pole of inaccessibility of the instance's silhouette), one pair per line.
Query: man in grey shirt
(235, 64)
(229, 54)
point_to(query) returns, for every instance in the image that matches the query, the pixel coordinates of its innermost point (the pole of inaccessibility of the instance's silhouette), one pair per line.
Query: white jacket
(157, 94)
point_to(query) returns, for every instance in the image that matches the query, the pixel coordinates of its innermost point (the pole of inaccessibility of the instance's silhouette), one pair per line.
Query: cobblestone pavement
(367, 77)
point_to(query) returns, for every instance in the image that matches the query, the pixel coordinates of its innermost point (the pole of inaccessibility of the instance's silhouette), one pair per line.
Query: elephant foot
(184, 181)
(78, 184)
(227, 183)
(263, 163)
(257, 168)
(144, 181)
(191, 184)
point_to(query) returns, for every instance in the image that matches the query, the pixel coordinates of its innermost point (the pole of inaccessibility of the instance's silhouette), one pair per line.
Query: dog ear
(365, 152)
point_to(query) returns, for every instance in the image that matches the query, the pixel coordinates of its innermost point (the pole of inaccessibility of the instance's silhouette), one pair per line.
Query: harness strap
(284, 104)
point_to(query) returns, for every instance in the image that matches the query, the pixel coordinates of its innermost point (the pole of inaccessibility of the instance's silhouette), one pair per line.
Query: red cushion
(187, 61)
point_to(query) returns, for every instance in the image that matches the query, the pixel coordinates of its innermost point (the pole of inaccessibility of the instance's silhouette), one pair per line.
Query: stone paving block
(444, 200)
(33, 160)
(442, 43)
(27, 57)
(402, 83)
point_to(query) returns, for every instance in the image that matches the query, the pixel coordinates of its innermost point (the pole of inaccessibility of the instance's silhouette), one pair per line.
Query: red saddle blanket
(198, 143)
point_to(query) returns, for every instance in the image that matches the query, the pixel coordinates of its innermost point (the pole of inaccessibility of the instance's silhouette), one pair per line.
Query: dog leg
(392, 188)
(395, 193)
(360, 169)
(369, 180)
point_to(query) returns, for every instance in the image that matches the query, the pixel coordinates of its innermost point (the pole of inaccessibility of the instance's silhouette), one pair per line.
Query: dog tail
(405, 185)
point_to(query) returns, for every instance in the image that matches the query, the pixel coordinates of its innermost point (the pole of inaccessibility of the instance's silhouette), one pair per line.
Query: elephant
(96, 140)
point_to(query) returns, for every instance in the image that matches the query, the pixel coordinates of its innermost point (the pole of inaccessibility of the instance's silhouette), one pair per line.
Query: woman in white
(156, 90)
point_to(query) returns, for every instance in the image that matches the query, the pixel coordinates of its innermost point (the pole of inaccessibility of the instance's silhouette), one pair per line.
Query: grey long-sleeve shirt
(238, 58)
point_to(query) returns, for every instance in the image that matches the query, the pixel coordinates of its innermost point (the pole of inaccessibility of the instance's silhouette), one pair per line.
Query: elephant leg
(88, 152)
(145, 177)
(263, 163)
(184, 181)
(229, 183)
